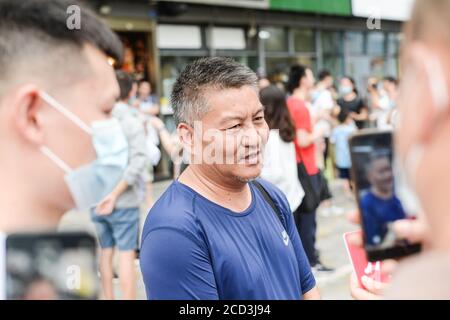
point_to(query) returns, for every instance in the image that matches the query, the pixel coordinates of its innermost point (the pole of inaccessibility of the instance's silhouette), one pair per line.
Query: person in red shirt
(301, 82)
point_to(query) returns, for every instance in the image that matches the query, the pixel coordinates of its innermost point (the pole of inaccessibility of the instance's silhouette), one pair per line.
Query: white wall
(399, 10)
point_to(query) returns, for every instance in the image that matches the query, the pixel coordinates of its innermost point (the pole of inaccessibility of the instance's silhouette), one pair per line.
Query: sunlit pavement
(331, 227)
(330, 243)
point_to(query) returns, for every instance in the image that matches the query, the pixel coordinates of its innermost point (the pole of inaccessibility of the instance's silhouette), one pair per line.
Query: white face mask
(88, 184)
(406, 171)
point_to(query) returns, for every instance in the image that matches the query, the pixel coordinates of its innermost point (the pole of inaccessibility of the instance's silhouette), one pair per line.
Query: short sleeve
(301, 117)
(176, 267)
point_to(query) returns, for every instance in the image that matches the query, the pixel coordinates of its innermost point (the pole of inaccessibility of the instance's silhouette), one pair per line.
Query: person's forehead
(227, 104)
(235, 99)
(100, 84)
(106, 85)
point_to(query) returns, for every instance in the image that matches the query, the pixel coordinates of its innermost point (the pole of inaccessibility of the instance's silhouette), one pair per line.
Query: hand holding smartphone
(372, 174)
(361, 266)
(48, 266)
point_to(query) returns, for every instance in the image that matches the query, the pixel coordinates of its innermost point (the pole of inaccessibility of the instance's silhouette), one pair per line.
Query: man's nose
(251, 138)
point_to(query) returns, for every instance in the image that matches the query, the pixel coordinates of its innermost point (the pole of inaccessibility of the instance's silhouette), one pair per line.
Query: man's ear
(433, 115)
(187, 137)
(25, 106)
(186, 134)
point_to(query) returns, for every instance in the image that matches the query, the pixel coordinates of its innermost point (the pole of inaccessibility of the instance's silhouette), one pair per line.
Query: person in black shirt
(351, 102)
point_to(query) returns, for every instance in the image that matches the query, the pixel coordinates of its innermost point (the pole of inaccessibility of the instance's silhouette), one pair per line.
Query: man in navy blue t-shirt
(379, 204)
(212, 234)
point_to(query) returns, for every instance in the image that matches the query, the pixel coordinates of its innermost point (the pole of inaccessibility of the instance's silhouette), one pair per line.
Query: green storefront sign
(334, 7)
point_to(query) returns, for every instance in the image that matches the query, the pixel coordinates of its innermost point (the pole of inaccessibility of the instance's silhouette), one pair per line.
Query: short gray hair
(188, 96)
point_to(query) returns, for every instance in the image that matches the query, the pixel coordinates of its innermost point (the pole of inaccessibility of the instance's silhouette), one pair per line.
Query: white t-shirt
(323, 102)
(280, 168)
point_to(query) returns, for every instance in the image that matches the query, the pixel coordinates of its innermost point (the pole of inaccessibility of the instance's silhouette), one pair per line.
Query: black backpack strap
(269, 200)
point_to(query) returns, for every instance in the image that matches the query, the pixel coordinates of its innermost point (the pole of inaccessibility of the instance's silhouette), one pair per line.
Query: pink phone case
(361, 266)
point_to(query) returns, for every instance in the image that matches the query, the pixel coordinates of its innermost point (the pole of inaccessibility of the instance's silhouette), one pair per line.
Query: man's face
(329, 81)
(234, 133)
(380, 175)
(91, 99)
(308, 80)
(346, 83)
(389, 87)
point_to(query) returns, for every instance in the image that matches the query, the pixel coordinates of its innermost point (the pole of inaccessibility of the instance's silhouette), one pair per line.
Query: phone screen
(51, 266)
(379, 206)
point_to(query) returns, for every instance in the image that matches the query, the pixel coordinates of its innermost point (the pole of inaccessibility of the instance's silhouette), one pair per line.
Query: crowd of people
(239, 219)
(316, 120)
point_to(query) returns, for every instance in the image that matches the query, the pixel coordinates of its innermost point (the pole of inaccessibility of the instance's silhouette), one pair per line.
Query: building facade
(359, 38)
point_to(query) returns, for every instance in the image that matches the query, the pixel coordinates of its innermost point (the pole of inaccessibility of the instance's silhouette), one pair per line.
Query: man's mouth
(252, 157)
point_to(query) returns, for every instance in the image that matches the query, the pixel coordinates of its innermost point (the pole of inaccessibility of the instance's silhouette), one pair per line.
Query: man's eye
(234, 127)
(259, 119)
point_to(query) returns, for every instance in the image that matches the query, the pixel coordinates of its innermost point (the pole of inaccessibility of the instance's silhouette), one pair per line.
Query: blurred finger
(374, 287)
(411, 230)
(354, 217)
(389, 266)
(358, 292)
(356, 239)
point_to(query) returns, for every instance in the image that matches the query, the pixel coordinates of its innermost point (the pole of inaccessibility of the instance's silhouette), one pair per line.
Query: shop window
(227, 38)
(277, 40)
(331, 43)
(354, 43)
(278, 67)
(136, 54)
(179, 37)
(394, 40)
(375, 43)
(303, 40)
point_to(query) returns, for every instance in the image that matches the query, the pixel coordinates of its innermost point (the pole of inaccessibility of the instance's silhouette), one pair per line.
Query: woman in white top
(280, 165)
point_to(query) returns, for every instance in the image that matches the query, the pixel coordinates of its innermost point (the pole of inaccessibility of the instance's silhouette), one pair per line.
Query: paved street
(331, 227)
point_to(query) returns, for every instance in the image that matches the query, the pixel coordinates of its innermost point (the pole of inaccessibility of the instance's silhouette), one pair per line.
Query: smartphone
(372, 174)
(48, 266)
(361, 266)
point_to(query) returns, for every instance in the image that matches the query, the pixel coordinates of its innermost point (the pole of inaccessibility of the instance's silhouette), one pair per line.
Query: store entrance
(139, 61)
(137, 57)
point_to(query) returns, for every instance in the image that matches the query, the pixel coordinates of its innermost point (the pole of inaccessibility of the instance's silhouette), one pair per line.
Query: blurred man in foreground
(423, 150)
(56, 90)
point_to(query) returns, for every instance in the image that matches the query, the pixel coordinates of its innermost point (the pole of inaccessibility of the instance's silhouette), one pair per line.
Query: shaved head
(36, 44)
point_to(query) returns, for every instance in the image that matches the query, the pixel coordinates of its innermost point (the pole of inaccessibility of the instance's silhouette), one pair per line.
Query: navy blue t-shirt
(377, 213)
(193, 248)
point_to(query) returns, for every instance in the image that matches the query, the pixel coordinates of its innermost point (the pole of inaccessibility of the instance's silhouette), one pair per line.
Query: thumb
(412, 230)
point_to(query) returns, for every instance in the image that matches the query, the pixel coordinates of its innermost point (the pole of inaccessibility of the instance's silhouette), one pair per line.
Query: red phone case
(361, 266)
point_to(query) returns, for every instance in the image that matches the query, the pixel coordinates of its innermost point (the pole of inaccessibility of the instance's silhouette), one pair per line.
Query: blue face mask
(345, 90)
(90, 183)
